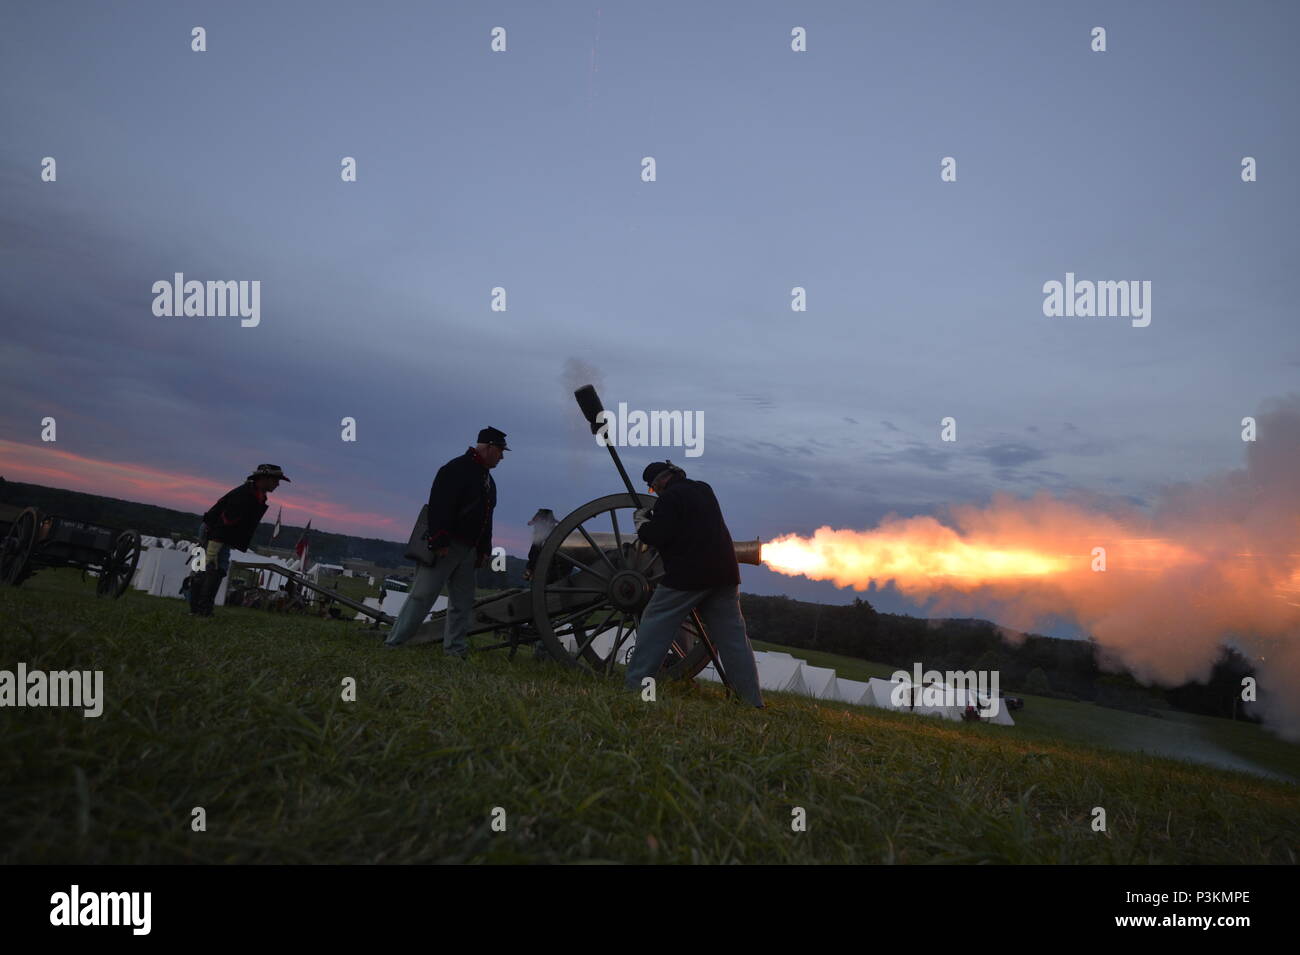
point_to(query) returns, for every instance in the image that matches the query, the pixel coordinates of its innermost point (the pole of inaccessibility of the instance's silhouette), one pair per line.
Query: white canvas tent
(269, 581)
(709, 673)
(393, 603)
(853, 691)
(778, 672)
(820, 682)
(781, 674)
(160, 572)
(911, 699)
(604, 643)
(981, 701)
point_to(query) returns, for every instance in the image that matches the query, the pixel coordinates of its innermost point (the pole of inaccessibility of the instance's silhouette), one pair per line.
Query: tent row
(161, 570)
(781, 672)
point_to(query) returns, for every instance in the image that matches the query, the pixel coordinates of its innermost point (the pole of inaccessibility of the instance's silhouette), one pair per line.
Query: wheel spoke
(572, 627)
(561, 621)
(586, 644)
(618, 537)
(595, 632)
(622, 637)
(608, 617)
(580, 565)
(599, 550)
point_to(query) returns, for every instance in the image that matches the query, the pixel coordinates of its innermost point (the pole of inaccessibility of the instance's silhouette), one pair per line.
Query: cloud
(1010, 455)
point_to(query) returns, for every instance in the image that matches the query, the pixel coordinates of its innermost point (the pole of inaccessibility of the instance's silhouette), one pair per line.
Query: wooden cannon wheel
(115, 576)
(607, 588)
(16, 548)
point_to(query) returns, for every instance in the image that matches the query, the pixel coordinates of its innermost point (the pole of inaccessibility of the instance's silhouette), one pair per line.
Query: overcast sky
(522, 169)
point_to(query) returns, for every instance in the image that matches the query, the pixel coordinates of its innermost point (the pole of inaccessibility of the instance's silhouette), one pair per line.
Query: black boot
(205, 593)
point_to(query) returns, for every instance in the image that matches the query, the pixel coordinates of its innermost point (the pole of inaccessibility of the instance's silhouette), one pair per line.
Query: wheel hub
(629, 591)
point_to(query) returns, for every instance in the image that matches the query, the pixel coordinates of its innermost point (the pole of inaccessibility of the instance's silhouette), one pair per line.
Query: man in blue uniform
(700, 573)
(459, 537)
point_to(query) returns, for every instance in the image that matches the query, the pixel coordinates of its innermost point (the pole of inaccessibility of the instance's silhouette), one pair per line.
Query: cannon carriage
(31, 539)
(591, 581)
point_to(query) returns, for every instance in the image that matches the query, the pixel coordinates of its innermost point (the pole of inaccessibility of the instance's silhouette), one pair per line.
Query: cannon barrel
(747, 552)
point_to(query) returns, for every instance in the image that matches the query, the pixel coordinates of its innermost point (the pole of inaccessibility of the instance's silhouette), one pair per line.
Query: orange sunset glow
(44, 464)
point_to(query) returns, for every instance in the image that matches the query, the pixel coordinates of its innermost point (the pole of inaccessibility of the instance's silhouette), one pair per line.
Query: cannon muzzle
(747, 552)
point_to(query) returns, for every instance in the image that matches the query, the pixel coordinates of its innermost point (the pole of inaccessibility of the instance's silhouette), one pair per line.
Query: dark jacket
(233, 520)
(461, 502)
(686, 526)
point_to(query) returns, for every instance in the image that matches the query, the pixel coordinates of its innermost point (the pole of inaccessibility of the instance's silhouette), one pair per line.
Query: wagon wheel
(116, 574)
(592, 599)
(16, 549)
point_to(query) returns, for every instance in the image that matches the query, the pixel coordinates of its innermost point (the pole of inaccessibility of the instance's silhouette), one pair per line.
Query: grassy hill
(241, 715)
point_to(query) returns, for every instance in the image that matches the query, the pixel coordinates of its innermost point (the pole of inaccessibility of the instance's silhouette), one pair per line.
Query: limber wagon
(33, 539)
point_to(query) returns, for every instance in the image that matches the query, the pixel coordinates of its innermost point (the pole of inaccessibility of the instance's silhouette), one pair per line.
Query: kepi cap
(493, 436)
(654, 469)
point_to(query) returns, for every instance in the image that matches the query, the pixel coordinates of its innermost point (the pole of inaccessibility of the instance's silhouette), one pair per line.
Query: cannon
(591, 580)
(33, 539)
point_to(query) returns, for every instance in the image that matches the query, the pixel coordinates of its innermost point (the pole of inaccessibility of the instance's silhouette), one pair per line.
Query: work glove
(642, 515)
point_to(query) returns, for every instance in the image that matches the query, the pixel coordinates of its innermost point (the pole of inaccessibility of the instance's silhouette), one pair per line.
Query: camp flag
(301, 547)
(276, 530)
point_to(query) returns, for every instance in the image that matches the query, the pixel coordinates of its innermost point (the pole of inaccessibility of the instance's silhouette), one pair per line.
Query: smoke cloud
(1212, 562)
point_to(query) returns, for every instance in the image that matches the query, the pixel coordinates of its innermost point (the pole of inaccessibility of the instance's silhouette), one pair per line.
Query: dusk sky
(523, 170)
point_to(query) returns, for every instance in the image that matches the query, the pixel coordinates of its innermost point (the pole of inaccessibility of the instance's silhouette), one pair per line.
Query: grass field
(242, 715)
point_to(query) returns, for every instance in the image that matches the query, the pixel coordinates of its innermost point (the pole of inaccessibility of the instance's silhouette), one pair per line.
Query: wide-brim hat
(269, 470)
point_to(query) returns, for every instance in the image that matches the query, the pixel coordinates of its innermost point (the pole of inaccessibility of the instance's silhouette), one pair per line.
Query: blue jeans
(720, 610)
(455, 571)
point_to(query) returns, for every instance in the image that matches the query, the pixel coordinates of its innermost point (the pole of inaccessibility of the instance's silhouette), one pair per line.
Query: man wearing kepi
(230, 523)
(700, 573)
(459, 535)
